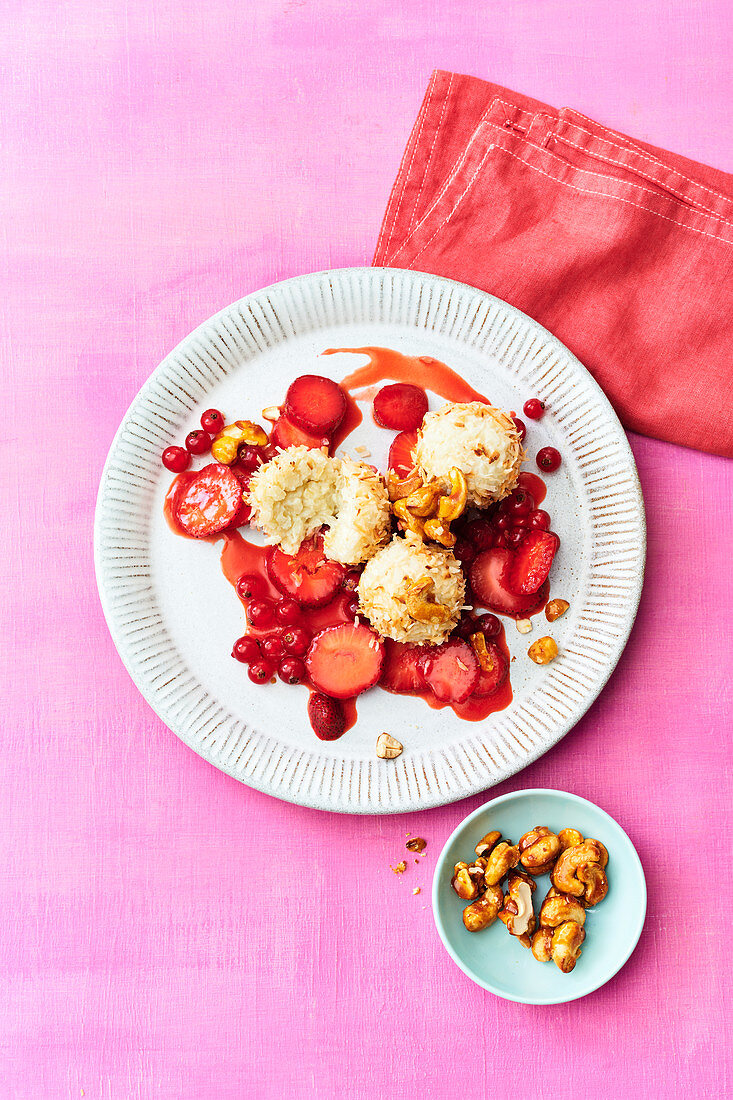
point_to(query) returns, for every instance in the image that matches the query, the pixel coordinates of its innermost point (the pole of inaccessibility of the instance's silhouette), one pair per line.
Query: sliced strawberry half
(490, 681)
(210, 501)
(315, 404)
(400, 407)
(343, 661)
(402, 671)
(308, 576)
(532, 560)
(327, 717)
(400, 453)
(286, 434)
(451, 671)
(488, 576)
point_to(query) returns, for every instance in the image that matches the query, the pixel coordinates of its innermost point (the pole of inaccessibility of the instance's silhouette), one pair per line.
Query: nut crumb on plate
(543, 650)
(388, 747)
(524, 626)
(417, 844)
(555, 609)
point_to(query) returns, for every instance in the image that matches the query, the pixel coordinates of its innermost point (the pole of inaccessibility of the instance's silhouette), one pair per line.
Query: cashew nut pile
(577, 869)
(426, 509)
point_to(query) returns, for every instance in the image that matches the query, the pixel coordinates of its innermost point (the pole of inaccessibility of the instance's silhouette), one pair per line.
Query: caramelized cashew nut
(565, 875)
(517, 914)
(423, 501)
(539, 848)
(542, 945)
(421, 605)
(398, 488)
(453, 504)
(468, 881)
(227, 442)
(483, 912)
(486, 843)
(559, 908)
(569, 838)
(566, 942)
(503, 858)
(406, 518)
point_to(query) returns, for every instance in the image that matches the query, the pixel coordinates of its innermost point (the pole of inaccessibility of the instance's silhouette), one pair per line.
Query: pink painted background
(160, 160)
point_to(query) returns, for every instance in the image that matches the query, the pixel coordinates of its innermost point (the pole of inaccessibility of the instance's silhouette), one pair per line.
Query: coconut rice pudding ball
(302, 489)
(482, 441)
(412, 592)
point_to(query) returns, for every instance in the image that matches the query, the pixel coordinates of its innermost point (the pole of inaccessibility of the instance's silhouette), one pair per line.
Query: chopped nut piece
(416, 844)
(555, 609)
(543, 650)
(416, 890)
(421, 604)
(400, 868)
(272, 412)
(388, 748)
(524, 626)
(226, 444)
(478, 644)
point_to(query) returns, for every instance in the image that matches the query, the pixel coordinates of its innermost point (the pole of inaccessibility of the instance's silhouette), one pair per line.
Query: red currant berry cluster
(178, 459)
(281, 649)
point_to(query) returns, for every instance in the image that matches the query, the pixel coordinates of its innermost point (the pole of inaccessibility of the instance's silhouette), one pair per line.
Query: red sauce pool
(421, 370)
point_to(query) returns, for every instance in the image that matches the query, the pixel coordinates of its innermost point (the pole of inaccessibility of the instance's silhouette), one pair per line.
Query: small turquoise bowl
(497, 961)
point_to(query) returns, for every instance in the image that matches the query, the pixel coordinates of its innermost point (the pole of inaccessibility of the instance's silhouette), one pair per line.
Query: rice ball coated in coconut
(412, 592)
(301, 490)
(363, 519)
(482, 441)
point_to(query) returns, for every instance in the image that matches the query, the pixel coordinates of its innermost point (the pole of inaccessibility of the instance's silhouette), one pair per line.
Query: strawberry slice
(402, 671)
(489, 682)
(308, 576)
(451, 670)
(286, 434)
(327, 717)
(343, 661)
(210, 502)
(487, 574)
(532, 561)
(400, 453)
(400, 407)
(315, 404)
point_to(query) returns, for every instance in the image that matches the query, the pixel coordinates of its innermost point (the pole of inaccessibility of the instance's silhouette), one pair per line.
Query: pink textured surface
(157, 164)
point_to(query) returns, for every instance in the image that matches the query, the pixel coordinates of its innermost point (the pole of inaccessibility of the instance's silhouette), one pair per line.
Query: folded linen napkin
(622, 250)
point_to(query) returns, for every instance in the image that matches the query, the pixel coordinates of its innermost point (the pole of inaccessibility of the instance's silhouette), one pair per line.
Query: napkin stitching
(406, 176)
(643, 156)
(459, 200)
(640, 172)
(432, 151)
(572, 187)
(603, 194)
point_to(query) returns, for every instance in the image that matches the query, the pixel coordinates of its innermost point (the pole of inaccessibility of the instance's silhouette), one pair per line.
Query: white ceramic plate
(173, 616)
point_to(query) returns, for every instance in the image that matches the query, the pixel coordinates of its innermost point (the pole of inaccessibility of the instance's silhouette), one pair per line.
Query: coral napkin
(622, 250)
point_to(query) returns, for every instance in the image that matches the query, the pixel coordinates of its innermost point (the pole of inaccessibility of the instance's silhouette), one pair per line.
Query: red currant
(350, 606)
(249, 586)
(479, 532)
(287, 611)
(296, 641)
(246, 650)
(514, 536)
(212, 421)
(272, 647)
(489, 625)
(466, 627)
(176, 459)
(540, 520)
(520, 503)
(351, 580)
(292, 670)
(548, 459)
(534, 408)
(504, 522)
(260, 614)
(198, 443)
(248, 458)
(465, 551)
(260, 672)
(521, 428)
